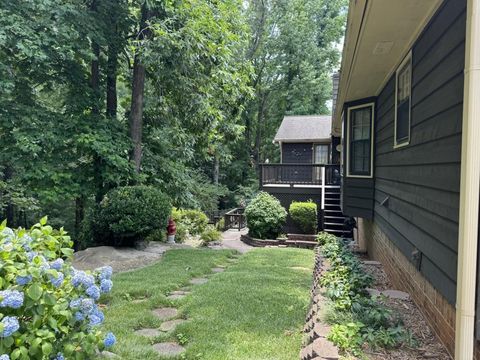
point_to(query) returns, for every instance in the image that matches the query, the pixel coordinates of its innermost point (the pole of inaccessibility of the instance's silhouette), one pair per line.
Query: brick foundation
(404, 276)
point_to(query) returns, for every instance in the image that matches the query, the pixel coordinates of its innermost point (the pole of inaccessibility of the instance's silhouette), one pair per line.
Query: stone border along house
(408, 112)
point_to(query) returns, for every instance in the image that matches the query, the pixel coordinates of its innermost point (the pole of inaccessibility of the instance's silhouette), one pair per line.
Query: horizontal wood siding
(419, 184)
(297, 153)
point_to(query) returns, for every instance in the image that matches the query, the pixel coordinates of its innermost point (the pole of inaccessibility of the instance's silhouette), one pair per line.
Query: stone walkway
(171, 318)
(231, 240)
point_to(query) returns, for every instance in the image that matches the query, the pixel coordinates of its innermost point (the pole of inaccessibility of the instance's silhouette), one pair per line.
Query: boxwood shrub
(48, 309)
(265, 216)
(131, 213)
(304, 214)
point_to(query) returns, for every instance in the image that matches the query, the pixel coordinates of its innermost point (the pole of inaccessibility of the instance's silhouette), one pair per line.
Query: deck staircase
(333, 218)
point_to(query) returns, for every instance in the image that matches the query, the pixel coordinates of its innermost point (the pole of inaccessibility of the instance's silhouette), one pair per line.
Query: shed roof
(304, 128)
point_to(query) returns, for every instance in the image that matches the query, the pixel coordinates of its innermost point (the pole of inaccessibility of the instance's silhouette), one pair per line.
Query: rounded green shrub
(131, 213)
(193, 221)
(304, 214)
(48, 309)
(265, 216)
(210, 234)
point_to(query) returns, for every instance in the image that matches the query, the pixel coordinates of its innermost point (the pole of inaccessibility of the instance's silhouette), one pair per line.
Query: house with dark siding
(308, 170)
(407, 111)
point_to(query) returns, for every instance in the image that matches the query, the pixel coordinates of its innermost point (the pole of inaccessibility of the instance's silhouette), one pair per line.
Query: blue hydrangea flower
(79, 316)
(10, 325)
(57, 281)
(105, 272)
(75, 303)
(26, 240)
(31, 255)
(109, 340)
(57, 264)
(87, 305)
(94, 292)
(8, 234)
(82, 278)
(23, 280)
(4, 357)
(59, 357)
(96, 318)
(106, 285)
(11, 298)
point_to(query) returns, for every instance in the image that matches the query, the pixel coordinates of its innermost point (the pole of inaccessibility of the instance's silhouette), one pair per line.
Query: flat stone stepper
(198, 281)
(165, 313)
(169, 349)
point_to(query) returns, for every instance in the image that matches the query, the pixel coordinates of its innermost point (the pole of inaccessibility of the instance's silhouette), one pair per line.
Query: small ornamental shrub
(131, 213)
(304, 214)
(220, 225)
(193, 221)
(210, 234)
(265, 216)
(48, 309)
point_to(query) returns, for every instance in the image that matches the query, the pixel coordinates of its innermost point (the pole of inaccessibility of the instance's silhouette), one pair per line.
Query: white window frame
(349, 110)
(405, 142)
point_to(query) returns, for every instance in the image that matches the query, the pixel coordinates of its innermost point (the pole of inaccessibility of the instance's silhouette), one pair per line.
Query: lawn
(255, 310)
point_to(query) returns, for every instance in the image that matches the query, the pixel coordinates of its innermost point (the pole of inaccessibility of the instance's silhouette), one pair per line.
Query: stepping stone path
(165, 313)
(177, 295)
(218, 269)
(198, 281)
(148, 332)
(171, 325)
(169, 349)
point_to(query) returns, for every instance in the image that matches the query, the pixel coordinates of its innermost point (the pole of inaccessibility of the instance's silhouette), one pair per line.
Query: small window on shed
(403, 102)
(359, 137)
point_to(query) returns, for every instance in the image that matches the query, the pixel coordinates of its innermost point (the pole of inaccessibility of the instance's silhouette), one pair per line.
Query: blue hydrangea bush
(48, 309)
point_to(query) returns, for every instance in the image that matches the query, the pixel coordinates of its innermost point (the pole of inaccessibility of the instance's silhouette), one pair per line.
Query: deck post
(323, 187)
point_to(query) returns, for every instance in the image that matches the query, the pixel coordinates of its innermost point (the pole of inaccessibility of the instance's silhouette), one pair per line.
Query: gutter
(469, 191)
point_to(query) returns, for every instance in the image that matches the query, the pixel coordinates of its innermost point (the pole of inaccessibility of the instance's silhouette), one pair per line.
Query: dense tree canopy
(183, 95)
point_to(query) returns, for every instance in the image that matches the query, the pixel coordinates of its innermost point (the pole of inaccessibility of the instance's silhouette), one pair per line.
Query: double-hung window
(403, 97)
(359, 137)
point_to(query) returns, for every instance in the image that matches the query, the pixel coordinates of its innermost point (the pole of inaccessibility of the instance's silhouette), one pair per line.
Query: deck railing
(235, 219)
(299, 174)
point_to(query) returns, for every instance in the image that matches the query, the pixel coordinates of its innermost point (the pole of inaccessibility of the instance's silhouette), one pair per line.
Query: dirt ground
(429, 347)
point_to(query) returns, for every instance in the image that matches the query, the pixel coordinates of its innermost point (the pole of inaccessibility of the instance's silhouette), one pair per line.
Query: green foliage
(359, 320)
(194, 221)
(265, 216)
(159, 235)
(220, 225)
(36, 270)
(304, 214)
(133, 212)
(210, 234)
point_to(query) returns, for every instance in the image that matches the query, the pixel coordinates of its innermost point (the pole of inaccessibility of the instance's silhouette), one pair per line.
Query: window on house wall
(321, 154)
(359, 155)
(403, 102)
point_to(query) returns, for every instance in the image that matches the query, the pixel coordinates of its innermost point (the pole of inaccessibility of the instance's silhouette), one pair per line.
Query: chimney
(335, 80)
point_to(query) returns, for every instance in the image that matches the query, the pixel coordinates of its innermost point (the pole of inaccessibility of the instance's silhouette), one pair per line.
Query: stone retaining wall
(270, 242)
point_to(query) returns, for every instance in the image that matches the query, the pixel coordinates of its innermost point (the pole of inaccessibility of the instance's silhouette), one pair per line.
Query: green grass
(255, 310)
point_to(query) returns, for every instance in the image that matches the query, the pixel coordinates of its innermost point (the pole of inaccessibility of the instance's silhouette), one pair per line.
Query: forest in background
(183, 95)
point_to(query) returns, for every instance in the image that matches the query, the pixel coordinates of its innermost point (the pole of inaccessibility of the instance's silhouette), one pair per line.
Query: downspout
(469, 190)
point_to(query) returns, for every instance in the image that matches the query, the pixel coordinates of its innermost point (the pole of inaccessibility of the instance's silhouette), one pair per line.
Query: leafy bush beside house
(131, 213)
(304, 214)
(210, 234)
(47, 308)
(189, 221)
(265, 216)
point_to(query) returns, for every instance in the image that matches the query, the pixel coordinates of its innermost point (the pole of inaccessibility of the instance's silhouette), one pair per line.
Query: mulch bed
(429, 347)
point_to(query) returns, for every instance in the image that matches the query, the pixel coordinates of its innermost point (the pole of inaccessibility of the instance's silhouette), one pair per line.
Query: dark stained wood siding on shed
(422, 179)
(297, 153)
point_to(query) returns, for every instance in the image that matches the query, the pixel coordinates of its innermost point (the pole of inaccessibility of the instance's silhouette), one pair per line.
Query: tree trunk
(112, 64)
(216, 170)
(136, 111)
(138, 87)
(258, 139)
(79, 216)
(10, 208)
